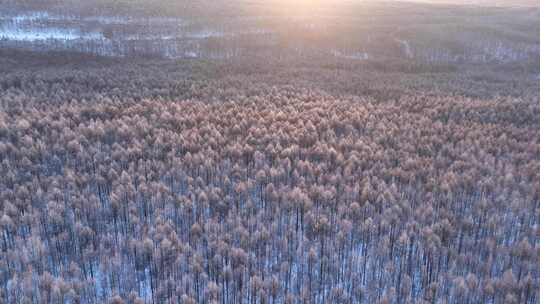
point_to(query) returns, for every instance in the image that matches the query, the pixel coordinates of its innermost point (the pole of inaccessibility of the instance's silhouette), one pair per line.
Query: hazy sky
(482, 2)
(502, 3)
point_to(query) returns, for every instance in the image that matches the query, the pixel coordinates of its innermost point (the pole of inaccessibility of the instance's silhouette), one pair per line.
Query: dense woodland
(152, 181)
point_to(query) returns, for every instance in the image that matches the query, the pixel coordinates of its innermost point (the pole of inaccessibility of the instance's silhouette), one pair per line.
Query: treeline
(44, 79)
(143, 181)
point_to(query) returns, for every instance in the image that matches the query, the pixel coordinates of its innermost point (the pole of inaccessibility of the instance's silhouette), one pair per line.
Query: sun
(300, 7)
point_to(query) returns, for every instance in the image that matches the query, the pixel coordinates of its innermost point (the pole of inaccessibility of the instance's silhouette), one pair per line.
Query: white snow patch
(37, 34)
(356, 56)
(191, 55)
(33, 16)
(204, 34)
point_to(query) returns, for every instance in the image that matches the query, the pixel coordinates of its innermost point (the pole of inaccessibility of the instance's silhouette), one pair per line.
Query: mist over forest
(269, 152)
(360, 30)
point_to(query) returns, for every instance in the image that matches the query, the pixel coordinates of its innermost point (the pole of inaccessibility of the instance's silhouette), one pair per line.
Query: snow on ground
(356, 55)
(36, 34)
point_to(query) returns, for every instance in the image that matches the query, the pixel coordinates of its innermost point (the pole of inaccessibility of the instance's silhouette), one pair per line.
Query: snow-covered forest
(392, 172)
(203, 29)
(230, 187)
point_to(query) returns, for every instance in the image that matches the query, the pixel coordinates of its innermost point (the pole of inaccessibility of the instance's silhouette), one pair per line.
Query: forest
(190, 152)
(144, 180)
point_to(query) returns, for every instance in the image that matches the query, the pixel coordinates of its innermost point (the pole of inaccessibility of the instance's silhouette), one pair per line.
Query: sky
(502, 3)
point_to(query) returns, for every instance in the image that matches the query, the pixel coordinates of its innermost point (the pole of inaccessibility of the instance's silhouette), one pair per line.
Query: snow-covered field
(199, 38)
